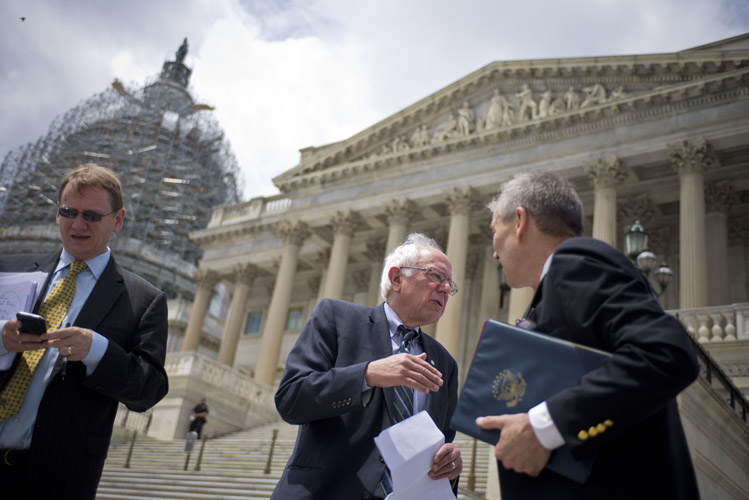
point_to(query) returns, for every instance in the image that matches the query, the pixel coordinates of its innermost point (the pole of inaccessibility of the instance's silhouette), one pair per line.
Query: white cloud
(284, 75)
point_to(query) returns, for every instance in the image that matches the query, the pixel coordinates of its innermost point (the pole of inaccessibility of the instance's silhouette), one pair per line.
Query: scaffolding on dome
(169, 153)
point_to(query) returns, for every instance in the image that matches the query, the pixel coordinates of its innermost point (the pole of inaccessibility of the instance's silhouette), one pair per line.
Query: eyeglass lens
(72, 213)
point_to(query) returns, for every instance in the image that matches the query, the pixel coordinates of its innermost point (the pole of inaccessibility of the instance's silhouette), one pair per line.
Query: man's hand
(404, 369)
(72, 342)
(447, 462)
(15, 341)
(518, 448)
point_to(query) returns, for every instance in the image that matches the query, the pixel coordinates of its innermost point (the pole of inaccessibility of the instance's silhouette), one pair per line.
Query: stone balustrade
(236, 399)
(249, 210)
(716, 324)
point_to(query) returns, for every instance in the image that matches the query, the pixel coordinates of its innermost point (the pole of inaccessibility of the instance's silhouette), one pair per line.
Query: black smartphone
(32, 323)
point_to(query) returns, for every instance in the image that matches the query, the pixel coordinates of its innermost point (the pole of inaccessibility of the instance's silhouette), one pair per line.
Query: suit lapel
(381, 348)
(435, 400)
(107, 290)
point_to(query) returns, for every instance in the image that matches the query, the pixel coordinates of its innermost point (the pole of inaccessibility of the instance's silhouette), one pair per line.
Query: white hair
(416, 248)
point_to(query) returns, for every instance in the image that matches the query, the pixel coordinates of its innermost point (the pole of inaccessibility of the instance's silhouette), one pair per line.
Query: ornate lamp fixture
(636, 248)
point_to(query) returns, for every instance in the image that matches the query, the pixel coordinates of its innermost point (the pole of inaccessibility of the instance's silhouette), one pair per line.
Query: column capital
(246, 273)
(636, 207)
(692, 156)
(738, 230)
(719, 196)
(293, 232)
(375, 250)
(346, 222)
(206, 278)
(606, 172)
(462, 200)
(401, 211)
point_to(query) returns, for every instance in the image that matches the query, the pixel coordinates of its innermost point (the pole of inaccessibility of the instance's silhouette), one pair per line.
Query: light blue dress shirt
(16, 431)
(394, 321)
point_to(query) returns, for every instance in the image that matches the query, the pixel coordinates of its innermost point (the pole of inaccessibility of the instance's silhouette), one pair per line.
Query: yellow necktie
(54, 308)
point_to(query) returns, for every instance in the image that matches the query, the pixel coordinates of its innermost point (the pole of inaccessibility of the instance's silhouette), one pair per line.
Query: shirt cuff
(544, 428)
(99, 346)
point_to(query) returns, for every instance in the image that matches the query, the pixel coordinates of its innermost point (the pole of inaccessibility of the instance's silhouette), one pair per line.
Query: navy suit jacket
(595, 296)
(75, 417)
(335, 457)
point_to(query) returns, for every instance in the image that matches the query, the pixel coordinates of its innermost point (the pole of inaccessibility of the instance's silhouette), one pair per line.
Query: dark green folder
(513, 370)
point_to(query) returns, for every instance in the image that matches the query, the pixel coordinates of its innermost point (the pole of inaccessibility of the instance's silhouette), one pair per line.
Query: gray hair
(549, 198)
(409, 253)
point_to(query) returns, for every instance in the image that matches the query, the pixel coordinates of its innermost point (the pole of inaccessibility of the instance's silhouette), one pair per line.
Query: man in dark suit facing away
(109, 347)
(623, 413)
(340, 376)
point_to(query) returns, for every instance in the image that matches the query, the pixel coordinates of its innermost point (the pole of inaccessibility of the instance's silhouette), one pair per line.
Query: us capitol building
(659, 139)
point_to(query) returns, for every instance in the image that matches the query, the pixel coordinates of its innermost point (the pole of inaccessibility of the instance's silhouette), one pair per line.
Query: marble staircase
(232, 467)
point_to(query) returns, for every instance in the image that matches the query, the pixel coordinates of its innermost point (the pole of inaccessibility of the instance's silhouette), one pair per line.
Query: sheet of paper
(18, 292)
(408, 449)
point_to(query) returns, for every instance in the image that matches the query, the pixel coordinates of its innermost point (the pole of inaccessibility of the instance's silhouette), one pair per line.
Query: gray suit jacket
(335, 456)
(75, 417)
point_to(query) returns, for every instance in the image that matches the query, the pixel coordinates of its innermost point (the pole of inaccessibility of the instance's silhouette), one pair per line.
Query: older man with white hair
(356, 370)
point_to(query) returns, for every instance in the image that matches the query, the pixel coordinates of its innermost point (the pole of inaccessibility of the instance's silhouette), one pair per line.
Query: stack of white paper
(408, 449)
(18, 292)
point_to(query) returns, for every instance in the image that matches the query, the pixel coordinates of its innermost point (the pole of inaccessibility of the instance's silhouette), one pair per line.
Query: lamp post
(636, 248)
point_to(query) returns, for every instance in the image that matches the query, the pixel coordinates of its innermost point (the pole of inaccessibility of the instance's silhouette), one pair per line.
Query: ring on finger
(453, 464)
(70, 351)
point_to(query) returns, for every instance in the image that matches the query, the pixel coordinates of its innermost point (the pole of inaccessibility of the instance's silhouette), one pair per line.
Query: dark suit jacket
(335, 456)
(593, 295)
(75, 417)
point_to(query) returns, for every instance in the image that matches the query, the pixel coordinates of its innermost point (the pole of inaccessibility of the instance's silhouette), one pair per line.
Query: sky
(284, 75)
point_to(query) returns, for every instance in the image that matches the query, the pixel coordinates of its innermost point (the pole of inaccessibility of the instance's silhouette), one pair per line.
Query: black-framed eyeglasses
(88, 215)
(435, 276)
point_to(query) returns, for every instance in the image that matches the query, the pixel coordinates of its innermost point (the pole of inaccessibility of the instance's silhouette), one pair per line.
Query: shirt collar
(394, 321)
(96, 264)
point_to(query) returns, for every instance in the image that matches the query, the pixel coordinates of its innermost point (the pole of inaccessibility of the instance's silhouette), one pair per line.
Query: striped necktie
(54, 308)
(403, 405)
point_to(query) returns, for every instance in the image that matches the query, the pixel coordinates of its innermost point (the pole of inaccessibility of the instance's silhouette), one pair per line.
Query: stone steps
(232, 467)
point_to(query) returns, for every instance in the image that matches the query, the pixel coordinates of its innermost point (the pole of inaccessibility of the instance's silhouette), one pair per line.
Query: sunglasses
(88, 215)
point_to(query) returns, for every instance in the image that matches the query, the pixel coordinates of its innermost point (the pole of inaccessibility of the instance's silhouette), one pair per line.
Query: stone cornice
(334, 169)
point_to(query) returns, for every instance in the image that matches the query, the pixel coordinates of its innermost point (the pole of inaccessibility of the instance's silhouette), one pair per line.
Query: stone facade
(662, 138)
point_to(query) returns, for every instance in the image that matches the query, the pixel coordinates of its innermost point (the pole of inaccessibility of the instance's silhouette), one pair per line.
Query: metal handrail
(710, 370)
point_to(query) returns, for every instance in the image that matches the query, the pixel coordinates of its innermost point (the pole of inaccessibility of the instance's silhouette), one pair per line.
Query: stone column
(738, 245)
(294, 234)
(690, 159)
(400, 213)
(718, 197)
(489, 305)
(244, 275)
(461, 202)
(375, 254)
(344, 225)
(520, 299)
(605, 174)
(323, 259)
(204, 281)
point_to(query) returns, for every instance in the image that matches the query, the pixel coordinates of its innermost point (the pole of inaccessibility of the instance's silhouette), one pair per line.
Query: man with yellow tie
(105, 343)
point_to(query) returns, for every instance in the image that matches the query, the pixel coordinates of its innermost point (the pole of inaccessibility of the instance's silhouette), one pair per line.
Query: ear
(522, 222)
(396, 278)
(119, 218)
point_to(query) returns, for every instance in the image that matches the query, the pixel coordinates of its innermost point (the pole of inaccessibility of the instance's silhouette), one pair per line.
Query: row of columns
(690, 159)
